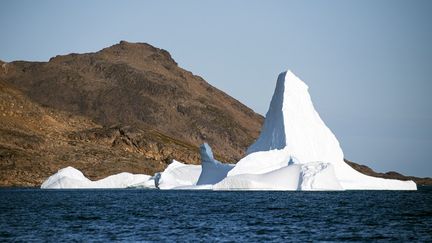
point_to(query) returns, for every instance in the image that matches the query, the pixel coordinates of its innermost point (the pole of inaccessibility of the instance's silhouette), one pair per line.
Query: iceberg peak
(290, 109)
(294, 129)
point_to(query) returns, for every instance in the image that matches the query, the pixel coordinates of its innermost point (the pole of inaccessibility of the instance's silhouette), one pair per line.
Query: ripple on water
(136, 215)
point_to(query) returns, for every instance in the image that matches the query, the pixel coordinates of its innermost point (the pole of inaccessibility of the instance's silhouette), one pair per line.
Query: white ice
(178, 175)
(71, 178)
(293, 133)
(306, 177)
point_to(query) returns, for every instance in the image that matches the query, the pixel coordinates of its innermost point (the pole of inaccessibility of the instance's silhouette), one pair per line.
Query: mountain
(139, 85)
(128, 107)
(36, 141)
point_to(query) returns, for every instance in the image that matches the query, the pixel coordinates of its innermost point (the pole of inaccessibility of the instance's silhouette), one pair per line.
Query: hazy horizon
(368, 64)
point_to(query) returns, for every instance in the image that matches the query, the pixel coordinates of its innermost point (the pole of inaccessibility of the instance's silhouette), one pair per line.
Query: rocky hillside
(128, 107)
(389, 175)
(140, 85)
(36, 141)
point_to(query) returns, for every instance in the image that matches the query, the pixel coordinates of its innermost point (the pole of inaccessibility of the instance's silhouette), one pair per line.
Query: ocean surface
(151, 215)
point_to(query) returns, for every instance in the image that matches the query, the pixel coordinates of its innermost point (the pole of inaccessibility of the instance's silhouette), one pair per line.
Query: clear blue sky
(368, 63)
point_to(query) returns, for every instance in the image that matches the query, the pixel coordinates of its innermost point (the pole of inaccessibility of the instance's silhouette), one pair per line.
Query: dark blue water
(150, 215)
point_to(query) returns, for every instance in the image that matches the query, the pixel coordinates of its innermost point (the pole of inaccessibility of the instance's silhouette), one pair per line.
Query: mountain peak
(131, 45)
(138, 51)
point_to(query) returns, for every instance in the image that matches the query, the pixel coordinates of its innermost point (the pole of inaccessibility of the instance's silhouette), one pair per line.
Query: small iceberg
(71, 178)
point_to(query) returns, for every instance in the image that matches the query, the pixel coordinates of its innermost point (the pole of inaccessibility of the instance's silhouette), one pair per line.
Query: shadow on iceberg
(212, 171)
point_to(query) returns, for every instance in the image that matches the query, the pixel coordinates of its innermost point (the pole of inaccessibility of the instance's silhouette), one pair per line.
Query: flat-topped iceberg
(295, 151)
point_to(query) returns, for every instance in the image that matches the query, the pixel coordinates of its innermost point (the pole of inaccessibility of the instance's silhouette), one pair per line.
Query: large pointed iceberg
(294, 134)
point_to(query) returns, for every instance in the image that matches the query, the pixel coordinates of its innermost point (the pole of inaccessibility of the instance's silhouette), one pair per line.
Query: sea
(135, 215)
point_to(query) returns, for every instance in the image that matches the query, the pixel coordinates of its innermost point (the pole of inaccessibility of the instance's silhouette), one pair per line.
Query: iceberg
(314, 176)
(294, 134)
(295, 151)
(177, 176)
(71, 178)
(212, 171)
(181, 176)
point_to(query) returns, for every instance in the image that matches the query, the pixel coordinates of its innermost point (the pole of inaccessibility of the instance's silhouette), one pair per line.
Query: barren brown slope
(139, 85)
(37, 141)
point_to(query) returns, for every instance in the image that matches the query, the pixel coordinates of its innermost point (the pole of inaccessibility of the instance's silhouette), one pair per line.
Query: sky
(368, 64)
